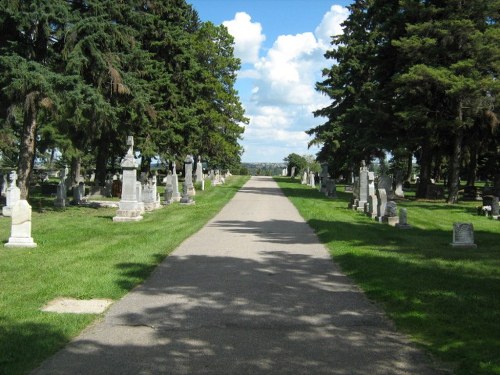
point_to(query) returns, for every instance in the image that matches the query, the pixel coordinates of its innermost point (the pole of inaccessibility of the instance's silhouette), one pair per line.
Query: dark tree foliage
(414, 78)
(79, 76)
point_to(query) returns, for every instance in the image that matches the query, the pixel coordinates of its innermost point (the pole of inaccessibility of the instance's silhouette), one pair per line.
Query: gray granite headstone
(363, 187)
(391, 213)
(494, 208)
(463, 235)
(403, 219)
(372, 206)
(385, 182)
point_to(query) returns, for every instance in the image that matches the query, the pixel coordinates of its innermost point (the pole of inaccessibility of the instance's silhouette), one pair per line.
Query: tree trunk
(409, 167)
(27, 151)
(101, 162)
(454, 165)
(472, 170)
(425, 171)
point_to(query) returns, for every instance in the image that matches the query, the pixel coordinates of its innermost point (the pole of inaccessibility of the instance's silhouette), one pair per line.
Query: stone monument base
(391, 220)
(403, 226)
(20, 242)
(122, 216)
(464, 245)
(6, 211)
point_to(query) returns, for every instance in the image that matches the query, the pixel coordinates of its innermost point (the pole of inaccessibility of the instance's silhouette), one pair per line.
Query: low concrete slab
(75, 306)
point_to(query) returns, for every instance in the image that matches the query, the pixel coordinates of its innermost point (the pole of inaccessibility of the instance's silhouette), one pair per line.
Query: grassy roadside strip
(446, 299)
(83, 254)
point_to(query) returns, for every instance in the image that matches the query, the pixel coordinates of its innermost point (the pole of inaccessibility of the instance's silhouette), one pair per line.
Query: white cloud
(247, 35)
(331, 24)
(283, 93)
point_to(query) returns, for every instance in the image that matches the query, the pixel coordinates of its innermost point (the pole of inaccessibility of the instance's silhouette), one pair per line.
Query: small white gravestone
(304, 178)
(20, 235)
(199, 170)
(13, 195)
(176, 196)
(150, 195)
(311, 179)
(168, 188)
(381, 204)
(463, 235)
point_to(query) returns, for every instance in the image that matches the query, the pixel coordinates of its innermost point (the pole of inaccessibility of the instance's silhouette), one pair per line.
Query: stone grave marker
(176, 196)
(20, 234)
(168, 189)
(199, 170)
(403, 219)
(188, 179)
(381, 204)
(494, 208)
(150, 195)
(311, 179)
(363, 186)
(385, 182)
(13, 195)
(372, 206)
(463, 235)
(60, 200)
(129, 208)
(331, 188)
(304, 178)
(391, 213)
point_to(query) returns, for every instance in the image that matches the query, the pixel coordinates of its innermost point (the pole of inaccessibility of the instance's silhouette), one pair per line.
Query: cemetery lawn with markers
(83, 254)
(446, 299)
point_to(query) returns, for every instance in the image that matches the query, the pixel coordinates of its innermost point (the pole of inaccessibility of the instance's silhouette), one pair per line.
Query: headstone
(5, 186)
(304, 178)
(391, 213)
(403, 219)
(381, 204)
(92, 177)
(138, 195)
(78, 193)
(463, 235)
(371, 183)
(129, 208)
(494, 208)
(20, 235)
(13, 195)
(372, 206)
(292, 172)
(60, 200)
(311, 179)
(168, 189)
(331, 188)
(323, 178)
(385, 182)
(150, 195)
(363, 186)
(199, 170)
(284, 172)
(176, 196)
(188, 179)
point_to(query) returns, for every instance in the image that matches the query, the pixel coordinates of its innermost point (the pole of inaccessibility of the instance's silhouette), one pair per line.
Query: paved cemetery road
(253, 292)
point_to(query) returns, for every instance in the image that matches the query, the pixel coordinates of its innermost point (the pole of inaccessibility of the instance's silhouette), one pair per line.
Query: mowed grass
(83, 254)
(447, 299)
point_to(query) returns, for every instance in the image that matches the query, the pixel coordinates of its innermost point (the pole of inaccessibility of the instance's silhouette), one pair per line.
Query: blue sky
(281, 44)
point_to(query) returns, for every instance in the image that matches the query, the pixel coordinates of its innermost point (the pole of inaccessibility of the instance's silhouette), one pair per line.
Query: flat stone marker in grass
(75, 306)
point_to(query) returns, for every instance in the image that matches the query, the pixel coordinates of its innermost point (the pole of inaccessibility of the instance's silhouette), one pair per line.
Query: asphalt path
(253, 292)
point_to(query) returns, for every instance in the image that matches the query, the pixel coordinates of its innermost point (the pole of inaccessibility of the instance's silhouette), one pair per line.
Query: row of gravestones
(326, 184)
(373, 202)
(131, 206)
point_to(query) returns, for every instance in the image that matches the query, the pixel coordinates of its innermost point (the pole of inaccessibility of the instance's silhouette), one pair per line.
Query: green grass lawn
(83, 254)
(447, 299)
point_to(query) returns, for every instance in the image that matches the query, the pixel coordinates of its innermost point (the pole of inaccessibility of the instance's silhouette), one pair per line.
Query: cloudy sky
(281, 44)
